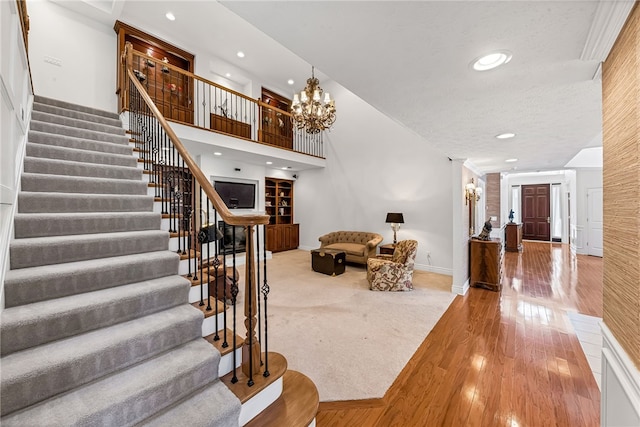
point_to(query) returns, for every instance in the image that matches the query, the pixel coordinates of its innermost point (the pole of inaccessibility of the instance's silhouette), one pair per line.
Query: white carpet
(352, 342)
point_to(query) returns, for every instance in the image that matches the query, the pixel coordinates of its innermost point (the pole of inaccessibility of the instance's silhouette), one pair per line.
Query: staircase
(98, 326)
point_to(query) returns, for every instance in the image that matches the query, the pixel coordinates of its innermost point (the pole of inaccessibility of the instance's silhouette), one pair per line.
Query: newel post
(251, 346)
(127, 64)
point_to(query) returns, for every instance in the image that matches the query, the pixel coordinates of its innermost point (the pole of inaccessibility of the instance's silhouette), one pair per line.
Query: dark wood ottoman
(328, 261)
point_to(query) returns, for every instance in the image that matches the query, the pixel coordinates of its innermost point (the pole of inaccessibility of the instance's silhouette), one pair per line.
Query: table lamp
(395, 219)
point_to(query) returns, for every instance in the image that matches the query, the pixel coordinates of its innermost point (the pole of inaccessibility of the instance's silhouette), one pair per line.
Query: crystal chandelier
(310, 111)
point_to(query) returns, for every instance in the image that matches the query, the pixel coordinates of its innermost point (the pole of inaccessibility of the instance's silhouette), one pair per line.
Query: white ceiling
(411, 60)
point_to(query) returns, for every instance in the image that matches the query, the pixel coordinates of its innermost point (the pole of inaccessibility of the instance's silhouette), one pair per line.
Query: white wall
(86, 50)
(15, 109)
(375, 166)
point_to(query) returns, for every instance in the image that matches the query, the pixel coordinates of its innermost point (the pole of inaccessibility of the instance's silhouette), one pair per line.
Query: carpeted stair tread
(38, 373)
(70, 106)
(28, 285)
(75, 114)
(79, 143)
(57, 224)
(37, 150)
(78, 133)
(34, 324)
(213, 406)
(40, 182)
(60, 249)
(80, 169)
(42, 116)
(35, 202)
(128, 396)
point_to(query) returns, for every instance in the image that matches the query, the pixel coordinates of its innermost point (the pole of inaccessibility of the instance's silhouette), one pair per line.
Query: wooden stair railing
(187, 197)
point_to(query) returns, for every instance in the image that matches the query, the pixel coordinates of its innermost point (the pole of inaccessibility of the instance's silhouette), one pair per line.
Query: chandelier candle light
(310, 111)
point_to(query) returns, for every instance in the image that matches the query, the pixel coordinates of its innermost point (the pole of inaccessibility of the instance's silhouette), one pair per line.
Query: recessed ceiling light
(217, 153)
(491, 60)
(240, 54)
(511, 160)
(170, 16)
(284, 168)
(269, 163)
(228, 75)
(290, 81)
(506, 135)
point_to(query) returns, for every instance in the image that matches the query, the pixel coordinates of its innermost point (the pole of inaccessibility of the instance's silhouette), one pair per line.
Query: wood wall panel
(493, 198)
(621, 181)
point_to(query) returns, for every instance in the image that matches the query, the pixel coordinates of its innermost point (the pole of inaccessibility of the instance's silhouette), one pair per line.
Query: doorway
(594, 221)
(536, 212)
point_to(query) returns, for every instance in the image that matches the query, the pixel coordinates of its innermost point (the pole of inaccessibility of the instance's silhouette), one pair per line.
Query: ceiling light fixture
(217, 153)
(506, 135)
(491, 60)
(269, 163)
(290, 81)
(511, 160)
(240, 54)
(227, 75)
(170, 16)
(310, 111)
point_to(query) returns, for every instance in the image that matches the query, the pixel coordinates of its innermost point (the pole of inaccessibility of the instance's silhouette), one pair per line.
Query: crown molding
(607, 22)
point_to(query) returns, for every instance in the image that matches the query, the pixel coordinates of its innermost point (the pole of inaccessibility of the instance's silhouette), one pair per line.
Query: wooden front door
(535, 212)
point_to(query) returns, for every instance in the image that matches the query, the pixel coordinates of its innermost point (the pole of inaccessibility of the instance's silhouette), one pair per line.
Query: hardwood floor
(499, 359)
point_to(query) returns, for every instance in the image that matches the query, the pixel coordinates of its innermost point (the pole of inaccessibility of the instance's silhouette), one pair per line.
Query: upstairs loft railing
(199, 220)
(189, 99)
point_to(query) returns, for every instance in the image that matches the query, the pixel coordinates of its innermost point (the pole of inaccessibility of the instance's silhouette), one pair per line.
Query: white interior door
(594, 221)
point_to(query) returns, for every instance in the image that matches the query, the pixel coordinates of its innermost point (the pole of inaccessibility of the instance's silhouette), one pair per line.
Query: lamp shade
(395, 218)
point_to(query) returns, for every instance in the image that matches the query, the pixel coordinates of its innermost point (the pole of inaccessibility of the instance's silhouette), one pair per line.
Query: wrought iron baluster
(265, 293)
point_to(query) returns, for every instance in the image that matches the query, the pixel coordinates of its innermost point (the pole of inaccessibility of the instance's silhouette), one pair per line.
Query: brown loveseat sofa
(357, 245)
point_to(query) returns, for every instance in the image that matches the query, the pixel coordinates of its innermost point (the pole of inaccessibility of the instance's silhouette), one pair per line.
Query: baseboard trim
(620, 402)
(460, 289)
(433, 269)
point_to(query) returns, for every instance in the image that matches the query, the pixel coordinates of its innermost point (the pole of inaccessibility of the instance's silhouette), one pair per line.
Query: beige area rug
(352, 342)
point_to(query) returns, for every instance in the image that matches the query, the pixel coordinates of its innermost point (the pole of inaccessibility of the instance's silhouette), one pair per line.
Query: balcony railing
(192, 100)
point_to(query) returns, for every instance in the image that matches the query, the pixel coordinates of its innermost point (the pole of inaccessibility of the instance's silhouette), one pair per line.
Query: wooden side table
(513, 237)
(387, 249)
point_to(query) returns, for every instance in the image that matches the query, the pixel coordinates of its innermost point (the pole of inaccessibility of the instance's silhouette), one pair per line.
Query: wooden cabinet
(282, 233)
(513, 237)
(282, 237)
(170, 89)
(275, 127)
(486, 263)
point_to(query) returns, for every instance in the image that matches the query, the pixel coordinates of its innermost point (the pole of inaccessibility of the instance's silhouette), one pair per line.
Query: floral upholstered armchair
(396, 273)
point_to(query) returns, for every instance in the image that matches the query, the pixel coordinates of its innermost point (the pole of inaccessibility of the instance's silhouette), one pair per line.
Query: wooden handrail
(218, 204)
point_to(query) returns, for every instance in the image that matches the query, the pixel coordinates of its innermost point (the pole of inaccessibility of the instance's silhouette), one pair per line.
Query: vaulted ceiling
(411, 60)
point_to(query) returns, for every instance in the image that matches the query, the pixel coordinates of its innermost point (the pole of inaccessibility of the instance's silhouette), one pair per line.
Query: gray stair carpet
(97, 329)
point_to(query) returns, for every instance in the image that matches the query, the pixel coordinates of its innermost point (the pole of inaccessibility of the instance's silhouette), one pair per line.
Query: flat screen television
(237, 195)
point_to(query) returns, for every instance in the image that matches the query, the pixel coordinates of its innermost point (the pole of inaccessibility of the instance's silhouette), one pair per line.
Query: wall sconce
(471, 191)
(395, 219)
